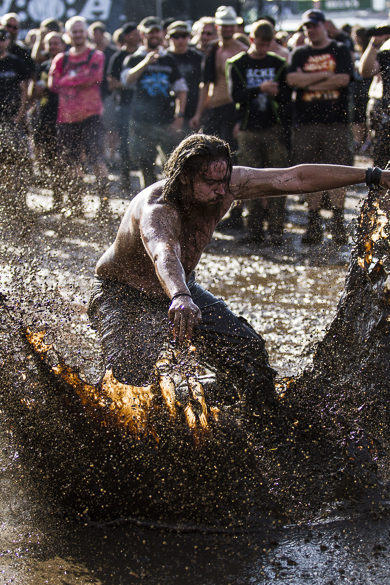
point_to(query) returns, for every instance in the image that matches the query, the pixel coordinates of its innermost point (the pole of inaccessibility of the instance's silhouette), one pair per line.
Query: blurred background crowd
(79, 98)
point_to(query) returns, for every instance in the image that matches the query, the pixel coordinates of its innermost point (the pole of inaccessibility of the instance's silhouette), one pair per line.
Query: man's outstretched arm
(248, 183)
(160, 228)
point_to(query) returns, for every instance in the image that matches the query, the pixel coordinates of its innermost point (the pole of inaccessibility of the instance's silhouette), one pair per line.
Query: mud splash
(163, 453)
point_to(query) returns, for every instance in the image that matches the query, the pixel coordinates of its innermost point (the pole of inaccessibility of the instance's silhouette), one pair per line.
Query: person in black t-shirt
(45, 136)
(123, 96)
(257, 81)
(376, 59)
(10, 22)
(321, 72)
(13, 84)
(160, 95)
(190, 63)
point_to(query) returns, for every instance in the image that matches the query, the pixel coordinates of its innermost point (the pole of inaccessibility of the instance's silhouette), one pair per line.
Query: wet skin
(160, 243)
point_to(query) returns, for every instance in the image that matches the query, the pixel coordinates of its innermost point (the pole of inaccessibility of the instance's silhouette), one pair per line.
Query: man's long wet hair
(192, 155)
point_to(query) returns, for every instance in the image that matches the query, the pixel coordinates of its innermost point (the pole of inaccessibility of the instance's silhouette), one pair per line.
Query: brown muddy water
(289, 295)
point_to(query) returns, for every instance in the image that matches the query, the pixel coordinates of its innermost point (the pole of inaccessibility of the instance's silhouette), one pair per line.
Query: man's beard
(153, 44)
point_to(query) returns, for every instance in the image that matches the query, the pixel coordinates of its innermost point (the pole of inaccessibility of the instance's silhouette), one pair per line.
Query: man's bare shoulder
(149, 207)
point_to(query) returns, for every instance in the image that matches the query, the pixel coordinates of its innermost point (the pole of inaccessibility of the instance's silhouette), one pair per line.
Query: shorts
(322, 144)
(264, 148)
(134, 329)
(85, 137)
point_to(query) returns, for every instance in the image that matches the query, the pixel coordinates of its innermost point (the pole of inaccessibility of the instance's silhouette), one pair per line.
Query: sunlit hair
(52, 35)
(69, 23)
(262, 29)
(193, 155)
(6, 17)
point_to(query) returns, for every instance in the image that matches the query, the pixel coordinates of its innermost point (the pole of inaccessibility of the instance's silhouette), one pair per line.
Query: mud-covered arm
(248, 183)
(160, 229)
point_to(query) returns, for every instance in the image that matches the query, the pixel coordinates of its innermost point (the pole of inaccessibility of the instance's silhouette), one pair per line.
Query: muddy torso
(219, 93)
(128, 260)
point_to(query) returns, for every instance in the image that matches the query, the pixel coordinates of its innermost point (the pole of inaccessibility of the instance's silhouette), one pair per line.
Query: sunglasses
(180, 36)
(13, 26)
(207, 34)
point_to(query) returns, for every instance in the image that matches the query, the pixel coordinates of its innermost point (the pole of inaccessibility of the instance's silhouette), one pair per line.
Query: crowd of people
(76, 98)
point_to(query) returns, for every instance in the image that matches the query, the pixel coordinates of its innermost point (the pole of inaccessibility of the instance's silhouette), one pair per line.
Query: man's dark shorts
(79, 138)
(322, 144)
(134, 327)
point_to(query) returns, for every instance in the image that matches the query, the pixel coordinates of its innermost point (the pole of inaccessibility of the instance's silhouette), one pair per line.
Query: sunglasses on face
(180, 36)
(13, 26)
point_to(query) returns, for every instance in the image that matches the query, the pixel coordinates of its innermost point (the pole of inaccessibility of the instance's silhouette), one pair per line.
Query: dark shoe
(314, 232)
(337, 228)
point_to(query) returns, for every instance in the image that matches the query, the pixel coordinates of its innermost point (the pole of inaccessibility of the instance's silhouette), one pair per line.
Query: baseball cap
(225, 15)
(313, 16)
(149, 23)
(128, 27)
(178, 26)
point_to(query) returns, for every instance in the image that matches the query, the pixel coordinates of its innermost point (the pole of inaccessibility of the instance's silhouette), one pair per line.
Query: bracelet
(179, 294)
(373, 176)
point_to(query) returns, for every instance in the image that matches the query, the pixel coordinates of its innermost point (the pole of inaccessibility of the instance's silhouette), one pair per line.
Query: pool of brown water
(289, 295)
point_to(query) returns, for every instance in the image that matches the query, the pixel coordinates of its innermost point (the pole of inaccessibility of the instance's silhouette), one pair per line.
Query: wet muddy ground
(289, 294)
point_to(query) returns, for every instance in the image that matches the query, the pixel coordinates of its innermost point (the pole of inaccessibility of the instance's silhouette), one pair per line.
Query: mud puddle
(290, 299)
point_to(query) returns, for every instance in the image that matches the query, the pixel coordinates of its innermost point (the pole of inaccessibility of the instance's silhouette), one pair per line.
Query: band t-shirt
(322, 106)
(154, 91)
(190, 64)
(12, 72)
(20, 50)
(246, 74)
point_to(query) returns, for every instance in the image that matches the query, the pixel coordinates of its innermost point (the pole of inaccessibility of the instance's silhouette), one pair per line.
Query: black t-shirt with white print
(259, 110)
(322, 106)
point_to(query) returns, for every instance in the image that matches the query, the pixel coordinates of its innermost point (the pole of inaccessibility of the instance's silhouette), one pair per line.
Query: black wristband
(179, 294)
(373, 176)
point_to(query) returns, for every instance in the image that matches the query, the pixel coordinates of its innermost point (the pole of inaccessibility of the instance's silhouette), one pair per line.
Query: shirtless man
(145, 287)
(214, 98)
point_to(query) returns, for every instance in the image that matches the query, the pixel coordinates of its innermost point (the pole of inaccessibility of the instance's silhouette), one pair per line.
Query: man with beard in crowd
(156, 114)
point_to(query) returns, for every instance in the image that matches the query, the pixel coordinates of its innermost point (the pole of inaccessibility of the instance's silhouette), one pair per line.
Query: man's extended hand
(184, 315)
